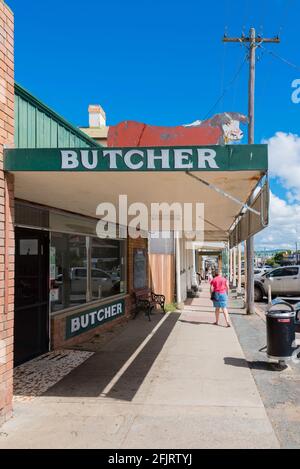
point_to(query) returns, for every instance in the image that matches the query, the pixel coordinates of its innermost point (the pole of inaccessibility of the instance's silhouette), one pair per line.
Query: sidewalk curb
(259, 312)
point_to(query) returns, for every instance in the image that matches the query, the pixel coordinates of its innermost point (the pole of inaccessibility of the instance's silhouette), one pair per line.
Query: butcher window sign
(86, 320)
(188, 158)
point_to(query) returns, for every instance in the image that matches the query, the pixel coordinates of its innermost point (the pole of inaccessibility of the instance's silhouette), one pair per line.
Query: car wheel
(258, 294)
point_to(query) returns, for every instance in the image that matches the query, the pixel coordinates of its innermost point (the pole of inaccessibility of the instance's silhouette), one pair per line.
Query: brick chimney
(97, 117)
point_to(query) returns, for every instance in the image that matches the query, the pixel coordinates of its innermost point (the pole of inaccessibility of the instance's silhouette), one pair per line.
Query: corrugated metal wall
(37, 126)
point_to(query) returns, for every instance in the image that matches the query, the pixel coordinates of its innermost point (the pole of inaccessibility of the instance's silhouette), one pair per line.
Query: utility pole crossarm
(258, 39)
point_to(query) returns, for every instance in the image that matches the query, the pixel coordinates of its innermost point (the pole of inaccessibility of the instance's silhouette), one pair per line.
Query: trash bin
(297, 319)
(281, 330)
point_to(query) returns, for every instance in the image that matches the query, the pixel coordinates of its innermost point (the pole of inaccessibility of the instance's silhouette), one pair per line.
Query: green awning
(195, 158)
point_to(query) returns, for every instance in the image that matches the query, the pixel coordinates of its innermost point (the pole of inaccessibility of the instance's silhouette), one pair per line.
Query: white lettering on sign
(100, 315)
(112, 154)
(128, 161)
(182, 160)
(207, 156)
(84, 320)
(94, 318)
(164, 157)
(139, 159)
(86, 160)
(75, 324)
(69, 159)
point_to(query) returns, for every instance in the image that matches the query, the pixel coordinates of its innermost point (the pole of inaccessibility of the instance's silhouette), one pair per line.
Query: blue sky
(160, 62)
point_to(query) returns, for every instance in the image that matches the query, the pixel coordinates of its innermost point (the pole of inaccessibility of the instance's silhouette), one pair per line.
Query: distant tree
(278, 257)
(270, 262)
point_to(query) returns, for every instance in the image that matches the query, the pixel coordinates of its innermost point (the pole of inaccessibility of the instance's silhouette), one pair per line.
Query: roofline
(20, 91)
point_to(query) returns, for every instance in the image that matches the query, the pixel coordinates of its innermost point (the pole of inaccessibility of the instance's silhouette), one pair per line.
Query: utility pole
(254, 42)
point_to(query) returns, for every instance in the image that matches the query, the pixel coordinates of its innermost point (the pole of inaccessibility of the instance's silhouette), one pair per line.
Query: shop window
(68, 271)
(69, 223)
(107, 267)
(84, 269)
(30, 215)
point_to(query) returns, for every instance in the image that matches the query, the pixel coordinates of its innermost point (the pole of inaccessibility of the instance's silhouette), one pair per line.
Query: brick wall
(6, 212)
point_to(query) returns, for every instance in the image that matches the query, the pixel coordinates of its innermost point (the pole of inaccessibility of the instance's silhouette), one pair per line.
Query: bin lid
(280, 313)
(281, 308)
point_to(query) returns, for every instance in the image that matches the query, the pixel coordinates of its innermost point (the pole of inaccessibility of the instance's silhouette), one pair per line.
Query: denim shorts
(220, 300)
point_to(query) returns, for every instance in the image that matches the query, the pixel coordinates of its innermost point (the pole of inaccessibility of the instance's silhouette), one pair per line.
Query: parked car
(268, 267)
(101, 281)
(284, 281)
(257, 273)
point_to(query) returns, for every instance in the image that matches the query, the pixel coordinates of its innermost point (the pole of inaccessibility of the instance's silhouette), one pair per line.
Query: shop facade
(60, 282)
(68, 282)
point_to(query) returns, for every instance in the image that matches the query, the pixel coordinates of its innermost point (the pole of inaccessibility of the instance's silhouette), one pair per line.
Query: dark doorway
(31, 336)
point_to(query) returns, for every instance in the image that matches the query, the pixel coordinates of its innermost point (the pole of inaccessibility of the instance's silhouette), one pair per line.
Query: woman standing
(219, 289)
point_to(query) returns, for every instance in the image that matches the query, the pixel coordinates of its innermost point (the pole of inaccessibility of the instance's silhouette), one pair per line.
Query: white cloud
(284, 162)
(284, 227)
(284, 165)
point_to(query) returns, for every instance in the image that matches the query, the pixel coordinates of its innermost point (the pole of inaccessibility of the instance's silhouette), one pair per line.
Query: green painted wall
(38, 126)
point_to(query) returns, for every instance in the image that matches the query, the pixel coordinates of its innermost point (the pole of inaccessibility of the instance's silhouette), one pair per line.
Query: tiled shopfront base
(33, 378)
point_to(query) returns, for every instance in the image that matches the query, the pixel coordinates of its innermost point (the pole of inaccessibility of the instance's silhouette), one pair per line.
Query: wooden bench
(146, 300)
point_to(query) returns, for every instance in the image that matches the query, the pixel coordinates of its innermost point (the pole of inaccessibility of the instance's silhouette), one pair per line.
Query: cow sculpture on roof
(219, 130)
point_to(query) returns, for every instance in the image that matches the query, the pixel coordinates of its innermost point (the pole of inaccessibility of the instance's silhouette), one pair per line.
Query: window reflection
(71, 283)
(68, 267)
(107, 273)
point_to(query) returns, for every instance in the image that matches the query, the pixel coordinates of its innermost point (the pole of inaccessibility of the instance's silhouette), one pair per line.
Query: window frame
(271, 274)
(89, 267)
(291, 275)
(46, 212)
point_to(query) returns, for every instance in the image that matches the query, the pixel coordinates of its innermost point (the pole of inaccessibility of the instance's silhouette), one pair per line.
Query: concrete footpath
(279, 388)
(173, 383)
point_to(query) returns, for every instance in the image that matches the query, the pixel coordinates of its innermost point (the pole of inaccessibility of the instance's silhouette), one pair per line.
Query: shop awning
(77, 180)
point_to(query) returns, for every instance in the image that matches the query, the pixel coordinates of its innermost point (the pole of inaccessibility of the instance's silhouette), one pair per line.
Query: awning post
(178, 283)
(234, 267)
(230, 265)
(239, 285)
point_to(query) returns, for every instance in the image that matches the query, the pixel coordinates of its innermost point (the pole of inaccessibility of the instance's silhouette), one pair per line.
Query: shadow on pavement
(253, 365)
(130, 381)
(92, 377)
(197, 323)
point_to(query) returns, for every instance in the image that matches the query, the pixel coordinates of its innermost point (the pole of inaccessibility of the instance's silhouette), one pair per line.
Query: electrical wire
(227, 87)
(223, 74)
(274, 54)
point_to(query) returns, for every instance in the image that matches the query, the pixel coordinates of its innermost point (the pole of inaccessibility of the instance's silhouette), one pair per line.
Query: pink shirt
(219, 284)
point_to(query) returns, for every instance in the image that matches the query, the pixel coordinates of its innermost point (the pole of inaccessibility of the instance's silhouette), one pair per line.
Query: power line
(287, 62)
(223, 73)
(227, 87)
